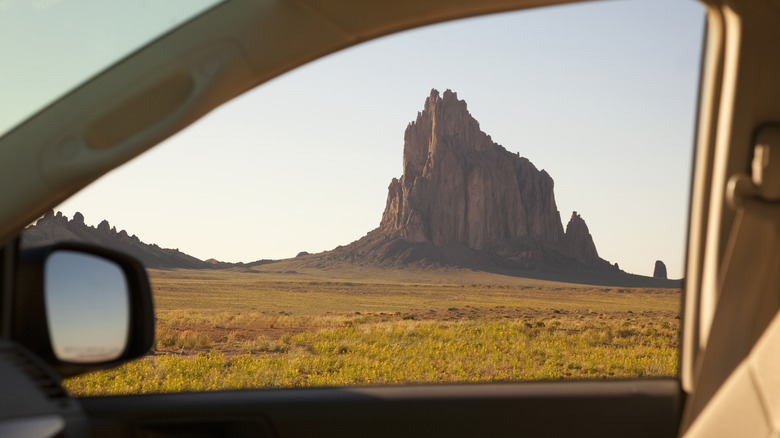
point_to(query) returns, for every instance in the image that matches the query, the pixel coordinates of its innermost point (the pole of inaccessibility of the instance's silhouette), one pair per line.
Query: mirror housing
(82, 308)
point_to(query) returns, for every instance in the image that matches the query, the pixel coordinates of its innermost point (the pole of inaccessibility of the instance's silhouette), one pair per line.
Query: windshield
(49, 47)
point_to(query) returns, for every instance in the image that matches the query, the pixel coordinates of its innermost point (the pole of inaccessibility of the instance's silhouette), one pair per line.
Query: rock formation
(53, 228)
(464, 199)
(578, 240)
(459, 186)
(660, 270)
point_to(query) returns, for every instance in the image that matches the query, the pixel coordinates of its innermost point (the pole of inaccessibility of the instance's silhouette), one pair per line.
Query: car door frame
(649, 407)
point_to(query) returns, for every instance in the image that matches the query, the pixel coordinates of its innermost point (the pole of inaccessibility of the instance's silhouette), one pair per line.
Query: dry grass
(244, 328)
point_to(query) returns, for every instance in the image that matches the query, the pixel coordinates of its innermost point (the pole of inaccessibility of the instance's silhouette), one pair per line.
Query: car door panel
(615, 408)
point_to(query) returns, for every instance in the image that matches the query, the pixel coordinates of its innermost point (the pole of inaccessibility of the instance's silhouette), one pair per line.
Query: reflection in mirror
(87, 307)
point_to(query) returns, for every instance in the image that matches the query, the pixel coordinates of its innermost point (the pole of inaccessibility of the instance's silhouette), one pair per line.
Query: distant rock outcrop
(465, 200)
(578, 240)
(660, 270)
(52, 228)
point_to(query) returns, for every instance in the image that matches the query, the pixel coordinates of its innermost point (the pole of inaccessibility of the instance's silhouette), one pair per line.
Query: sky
(80, 333)
(602, 96)
(50, 46)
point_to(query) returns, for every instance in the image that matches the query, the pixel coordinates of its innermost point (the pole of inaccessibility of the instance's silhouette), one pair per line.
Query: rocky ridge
(53, 228)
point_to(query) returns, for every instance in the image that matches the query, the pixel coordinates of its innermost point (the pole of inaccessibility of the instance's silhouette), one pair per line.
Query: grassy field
(271, 328)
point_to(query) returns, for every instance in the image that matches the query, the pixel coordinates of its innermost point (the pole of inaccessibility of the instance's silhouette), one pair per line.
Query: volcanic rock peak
(459, 186)
(442, 118)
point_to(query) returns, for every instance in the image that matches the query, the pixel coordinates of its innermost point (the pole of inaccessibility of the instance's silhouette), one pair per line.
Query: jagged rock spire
(458, 185)
(578, 240)
(659, 271)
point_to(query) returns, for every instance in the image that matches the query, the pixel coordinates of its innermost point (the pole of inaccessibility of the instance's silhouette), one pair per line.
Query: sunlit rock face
(460, 186)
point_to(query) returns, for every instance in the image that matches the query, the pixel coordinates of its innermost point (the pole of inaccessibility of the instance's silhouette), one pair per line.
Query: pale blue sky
(51, 46)
(87, 307)
(600, 95)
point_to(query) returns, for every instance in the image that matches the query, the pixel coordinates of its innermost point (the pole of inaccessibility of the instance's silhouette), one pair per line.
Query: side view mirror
(82, 308)
(87, 305)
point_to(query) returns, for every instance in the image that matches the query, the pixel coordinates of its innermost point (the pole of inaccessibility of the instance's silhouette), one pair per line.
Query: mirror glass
(87, 307)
